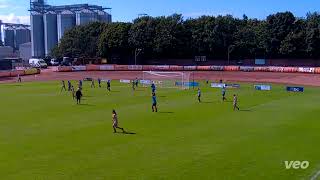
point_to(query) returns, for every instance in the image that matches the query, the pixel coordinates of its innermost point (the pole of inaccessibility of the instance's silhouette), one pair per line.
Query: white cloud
(12, 18)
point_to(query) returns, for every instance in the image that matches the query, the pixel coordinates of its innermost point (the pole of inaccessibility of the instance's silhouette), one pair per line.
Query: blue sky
(127, 10)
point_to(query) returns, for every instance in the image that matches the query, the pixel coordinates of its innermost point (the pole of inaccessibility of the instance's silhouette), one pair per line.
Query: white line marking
(316, 176)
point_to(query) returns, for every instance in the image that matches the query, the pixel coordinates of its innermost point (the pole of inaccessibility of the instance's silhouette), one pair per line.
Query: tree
(80, 41)
(114, 39)
(280, 35)
(141, 35)
(294, 45)
(313, 34)
(279, 25)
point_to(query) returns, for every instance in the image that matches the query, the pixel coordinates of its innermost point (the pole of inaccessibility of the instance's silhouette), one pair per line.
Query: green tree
(80, 41)
(114, 39)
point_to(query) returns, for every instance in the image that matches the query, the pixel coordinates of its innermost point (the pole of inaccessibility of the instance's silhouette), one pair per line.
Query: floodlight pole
(230, 49)
(136, 54)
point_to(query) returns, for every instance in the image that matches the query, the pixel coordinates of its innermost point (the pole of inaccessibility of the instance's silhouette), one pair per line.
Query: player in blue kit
(153, 88)
(224, 93)
(154, 103)
(199, 95)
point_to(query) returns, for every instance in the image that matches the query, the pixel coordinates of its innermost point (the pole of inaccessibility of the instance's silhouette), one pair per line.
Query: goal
(166, 79)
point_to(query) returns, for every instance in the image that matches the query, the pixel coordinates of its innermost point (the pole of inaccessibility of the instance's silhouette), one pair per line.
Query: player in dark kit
(115, 122)
(199, 95)
(137, 82)
(109, 85)
(235, 102)
(133, 85)
(154, 103)
(63, 86)
(80, 84)
(69, 86)
(19, 78)
(73, 92)
(78, 96)
(224, 93)
(99, 82)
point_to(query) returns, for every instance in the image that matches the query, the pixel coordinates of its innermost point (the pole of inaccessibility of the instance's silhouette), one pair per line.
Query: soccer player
(80, 84)
(63, 86)
(224, 93)
(235, 102)
(199, 95)
(153, 87)
(115, 122)
(109, 85)
(133, 85)
(137, 82)
(99, 82)
(92, 84)
(19, 78)
(154, 102)
(78, 96)
(73, 92)
(69, 86)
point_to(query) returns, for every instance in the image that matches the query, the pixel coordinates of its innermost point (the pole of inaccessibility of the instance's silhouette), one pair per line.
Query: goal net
(166, 79)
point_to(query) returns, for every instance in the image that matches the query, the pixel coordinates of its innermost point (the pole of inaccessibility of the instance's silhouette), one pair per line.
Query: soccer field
(44, 135)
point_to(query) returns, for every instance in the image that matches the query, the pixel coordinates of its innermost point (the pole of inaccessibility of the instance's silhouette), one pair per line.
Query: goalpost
(165, 79)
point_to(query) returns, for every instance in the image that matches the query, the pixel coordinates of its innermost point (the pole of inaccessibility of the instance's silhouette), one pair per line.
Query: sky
(16, 11)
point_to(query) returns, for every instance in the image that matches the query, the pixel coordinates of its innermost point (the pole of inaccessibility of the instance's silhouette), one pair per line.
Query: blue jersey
(199, 93)
(223, 91)
(154, 99)
(153, 87)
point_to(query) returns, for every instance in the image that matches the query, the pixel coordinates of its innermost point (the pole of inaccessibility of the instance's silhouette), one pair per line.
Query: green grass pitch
(44, 135)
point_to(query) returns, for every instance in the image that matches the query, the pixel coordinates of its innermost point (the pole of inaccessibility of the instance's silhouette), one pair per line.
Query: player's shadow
(86, 105)
(207, 102)
(245, 110)
(166, 112)
(114, 91)
(127, 133)
(16, 85)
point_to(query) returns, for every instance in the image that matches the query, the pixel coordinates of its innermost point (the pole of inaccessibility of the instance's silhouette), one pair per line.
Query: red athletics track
(259, 77)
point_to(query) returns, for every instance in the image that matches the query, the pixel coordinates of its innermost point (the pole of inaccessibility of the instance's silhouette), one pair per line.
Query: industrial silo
(0, 32)
(109, 18)
(22, 35)
(104, 16)
(86, 16)
(50, 31)
(65, 21)
(37, 34)
(9, 37)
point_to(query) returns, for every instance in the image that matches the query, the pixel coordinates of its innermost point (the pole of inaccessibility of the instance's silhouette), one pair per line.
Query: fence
(312, 70)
